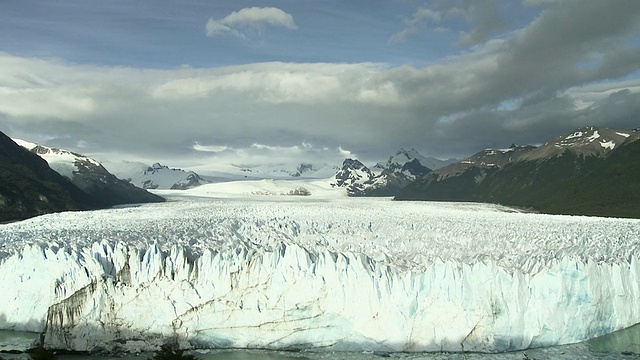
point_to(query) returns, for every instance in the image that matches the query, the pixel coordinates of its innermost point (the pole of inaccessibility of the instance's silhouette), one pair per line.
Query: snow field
(283, 272)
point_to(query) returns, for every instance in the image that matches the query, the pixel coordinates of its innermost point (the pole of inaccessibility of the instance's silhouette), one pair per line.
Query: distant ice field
(407, 235)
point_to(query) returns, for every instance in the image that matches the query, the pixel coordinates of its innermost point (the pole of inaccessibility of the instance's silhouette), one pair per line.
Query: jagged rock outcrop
(356, 178)
(400, 170)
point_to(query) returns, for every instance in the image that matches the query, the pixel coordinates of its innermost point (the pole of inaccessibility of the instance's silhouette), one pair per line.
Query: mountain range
(156, 176)
(387, 178)
(589, 171)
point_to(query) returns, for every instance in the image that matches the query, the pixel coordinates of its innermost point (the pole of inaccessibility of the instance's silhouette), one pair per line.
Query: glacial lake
(623, 344)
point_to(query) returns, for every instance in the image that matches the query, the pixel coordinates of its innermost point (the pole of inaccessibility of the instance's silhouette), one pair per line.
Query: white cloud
(63, 101)
(254, 17)
(209, 148)
(263, 156)
(216, 28)
(416, 23)
(586, 96)
(284, 83)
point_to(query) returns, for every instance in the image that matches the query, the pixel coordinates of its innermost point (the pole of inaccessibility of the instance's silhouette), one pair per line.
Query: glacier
(317, 272)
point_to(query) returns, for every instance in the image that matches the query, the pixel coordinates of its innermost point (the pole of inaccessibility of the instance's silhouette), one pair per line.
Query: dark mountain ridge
(90, 176)
(591, 171)
(29, 187)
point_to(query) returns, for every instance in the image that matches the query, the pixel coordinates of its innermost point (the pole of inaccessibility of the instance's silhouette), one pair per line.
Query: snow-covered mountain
(90, 176)
(156, 176)
(497, 158)
(400, 158)
(587, 141)
(334, 274)
(408, 165)
(356, 178)
(65, 162)
(308, 170)
(29, 187)
(387, 179)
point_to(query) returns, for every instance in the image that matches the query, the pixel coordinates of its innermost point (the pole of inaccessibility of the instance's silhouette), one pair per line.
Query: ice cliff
(364, 275)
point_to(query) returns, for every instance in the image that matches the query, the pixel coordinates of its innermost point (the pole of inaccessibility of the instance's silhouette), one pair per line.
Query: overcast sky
(290, 81)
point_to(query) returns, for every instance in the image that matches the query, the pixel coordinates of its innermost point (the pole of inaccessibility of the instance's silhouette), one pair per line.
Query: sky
(247, 83)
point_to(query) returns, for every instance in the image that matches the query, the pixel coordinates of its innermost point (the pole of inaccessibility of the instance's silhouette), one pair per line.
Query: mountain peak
(90, 176)
(353, 164)
(401, 157)
(353, 175)
(359, 180)
(29, 187)
(497, 158)
(584, 141)
(156, 176)
(589, 171)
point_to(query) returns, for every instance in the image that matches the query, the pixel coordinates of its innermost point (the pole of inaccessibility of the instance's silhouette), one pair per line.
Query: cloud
(539, 2)
(574, 65)
(209, 148)
(285, 83)
(263, 157)
(483, 16)
(416, 23)
(254, 17)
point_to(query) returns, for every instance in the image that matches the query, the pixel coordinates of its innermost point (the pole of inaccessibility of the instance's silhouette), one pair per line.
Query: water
(624, 344)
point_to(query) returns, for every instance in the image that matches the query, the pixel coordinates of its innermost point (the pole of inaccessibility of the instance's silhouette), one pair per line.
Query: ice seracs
(334, 273)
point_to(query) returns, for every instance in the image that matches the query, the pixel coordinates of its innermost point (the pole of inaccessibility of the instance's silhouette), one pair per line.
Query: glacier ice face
(342, 274)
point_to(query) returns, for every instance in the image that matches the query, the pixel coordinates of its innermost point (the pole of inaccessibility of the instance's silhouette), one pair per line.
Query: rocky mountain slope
(91, 177)
(29, 187)
(356, 177)
(400, 170)
(591, 171)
